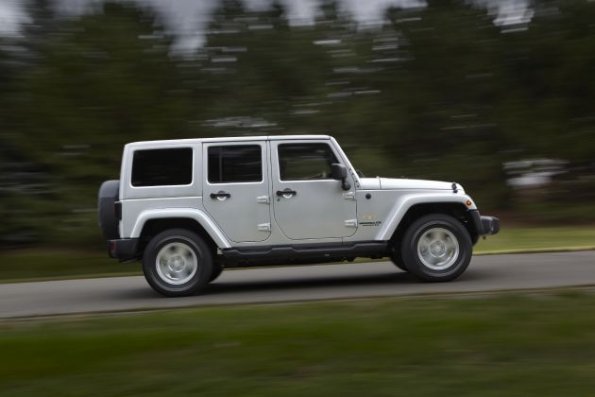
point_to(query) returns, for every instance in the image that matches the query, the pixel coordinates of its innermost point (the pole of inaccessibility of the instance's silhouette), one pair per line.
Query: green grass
(48, 264)
(509, 345)
(519, 239)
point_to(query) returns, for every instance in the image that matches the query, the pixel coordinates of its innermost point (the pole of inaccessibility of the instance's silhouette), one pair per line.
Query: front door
(236, 189)
(308, 203)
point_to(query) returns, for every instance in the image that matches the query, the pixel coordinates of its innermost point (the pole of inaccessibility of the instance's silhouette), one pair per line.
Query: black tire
(395, 257)
(445, 241)
(185, 263)
(217, 270)
(398, 261)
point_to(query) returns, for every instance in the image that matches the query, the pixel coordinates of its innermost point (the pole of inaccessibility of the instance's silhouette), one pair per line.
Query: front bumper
(485, 225)
(123, 249)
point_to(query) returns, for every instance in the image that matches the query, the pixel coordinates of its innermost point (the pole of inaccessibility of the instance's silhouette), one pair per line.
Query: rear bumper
(485, 225)
(123, 249)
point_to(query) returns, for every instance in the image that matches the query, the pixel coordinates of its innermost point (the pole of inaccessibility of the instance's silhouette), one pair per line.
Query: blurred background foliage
(436, 92)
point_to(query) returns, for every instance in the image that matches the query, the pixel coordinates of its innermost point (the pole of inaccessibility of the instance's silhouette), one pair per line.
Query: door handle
(220, 195)
(286, 193)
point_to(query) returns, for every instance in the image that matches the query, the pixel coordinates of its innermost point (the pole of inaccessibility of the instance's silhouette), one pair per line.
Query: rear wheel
(436, 247)
(177, 262)
(217, 270)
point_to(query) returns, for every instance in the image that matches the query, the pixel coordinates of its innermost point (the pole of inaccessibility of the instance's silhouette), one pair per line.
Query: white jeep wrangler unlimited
(190, 208)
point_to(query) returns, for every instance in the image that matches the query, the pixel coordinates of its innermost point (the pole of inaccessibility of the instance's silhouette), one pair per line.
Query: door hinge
(351, 223)
(263, 199)
(264, 227)
(349, 196)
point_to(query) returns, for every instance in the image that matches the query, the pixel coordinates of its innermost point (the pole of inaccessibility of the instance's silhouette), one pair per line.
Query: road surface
(304, 283)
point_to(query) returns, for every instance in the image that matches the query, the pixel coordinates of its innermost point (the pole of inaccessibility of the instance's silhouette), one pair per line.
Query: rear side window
(241, 163)
(162, 167)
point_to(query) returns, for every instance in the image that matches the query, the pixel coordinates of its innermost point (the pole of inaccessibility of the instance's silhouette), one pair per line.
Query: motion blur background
(496, 95)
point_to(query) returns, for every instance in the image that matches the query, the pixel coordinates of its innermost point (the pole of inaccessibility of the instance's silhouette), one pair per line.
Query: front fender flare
(404, 204)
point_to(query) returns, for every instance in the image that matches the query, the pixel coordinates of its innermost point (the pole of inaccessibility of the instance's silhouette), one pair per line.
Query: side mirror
(339, 172)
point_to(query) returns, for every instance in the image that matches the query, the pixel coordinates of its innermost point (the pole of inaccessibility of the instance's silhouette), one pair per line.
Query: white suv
(190, 208)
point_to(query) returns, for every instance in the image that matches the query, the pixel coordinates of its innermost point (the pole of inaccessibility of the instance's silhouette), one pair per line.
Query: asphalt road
(288, 284)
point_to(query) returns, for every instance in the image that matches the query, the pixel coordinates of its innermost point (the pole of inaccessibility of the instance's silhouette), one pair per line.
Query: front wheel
(177, 262)
(436, 247)
(397, 259)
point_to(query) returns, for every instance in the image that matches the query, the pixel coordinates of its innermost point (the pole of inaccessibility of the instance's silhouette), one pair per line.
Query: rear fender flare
(188, 213)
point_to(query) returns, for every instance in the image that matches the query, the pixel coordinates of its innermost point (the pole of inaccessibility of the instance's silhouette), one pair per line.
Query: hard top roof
(191, 141)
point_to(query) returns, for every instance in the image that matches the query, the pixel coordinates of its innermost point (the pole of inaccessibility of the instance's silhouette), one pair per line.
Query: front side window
(162, 167)
(305, 161)
(229, 164)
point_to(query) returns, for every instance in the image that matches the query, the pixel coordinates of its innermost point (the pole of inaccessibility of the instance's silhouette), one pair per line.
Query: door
(236, 189)
(308, 203)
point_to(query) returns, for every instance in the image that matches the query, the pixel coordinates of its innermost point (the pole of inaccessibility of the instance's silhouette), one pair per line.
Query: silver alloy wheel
(176, 263)
(438, 248)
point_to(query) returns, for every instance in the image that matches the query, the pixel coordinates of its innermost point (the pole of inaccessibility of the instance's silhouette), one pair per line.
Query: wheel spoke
(176, 263)
(438, 248)
(434, 260)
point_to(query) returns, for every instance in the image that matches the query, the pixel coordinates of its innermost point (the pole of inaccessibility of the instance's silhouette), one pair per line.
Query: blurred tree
(7, 226)
(21, 180)
(549, 110)
(259, 70)
(6, 69)
(435, 92)
(441, 78)
(99, 82)
(552, 74)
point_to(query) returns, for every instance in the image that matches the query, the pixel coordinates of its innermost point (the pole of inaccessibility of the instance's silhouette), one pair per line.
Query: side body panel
(244, 214)
(318, 208)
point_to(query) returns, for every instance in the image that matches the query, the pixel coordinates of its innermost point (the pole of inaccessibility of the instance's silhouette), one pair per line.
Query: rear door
(236, 189)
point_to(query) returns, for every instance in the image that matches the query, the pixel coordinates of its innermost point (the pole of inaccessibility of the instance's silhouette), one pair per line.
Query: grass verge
(513, 345)
(535, 239)
(54, 264)
(41, 264)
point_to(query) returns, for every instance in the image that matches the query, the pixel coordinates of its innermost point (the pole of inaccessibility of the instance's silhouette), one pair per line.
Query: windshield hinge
(264, 227)
(349, 196)
(351, 223)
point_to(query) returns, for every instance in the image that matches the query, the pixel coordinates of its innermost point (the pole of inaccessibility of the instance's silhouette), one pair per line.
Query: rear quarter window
(162, 167)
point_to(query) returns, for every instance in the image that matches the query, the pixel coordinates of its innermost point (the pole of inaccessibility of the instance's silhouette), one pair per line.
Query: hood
(405, 184)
